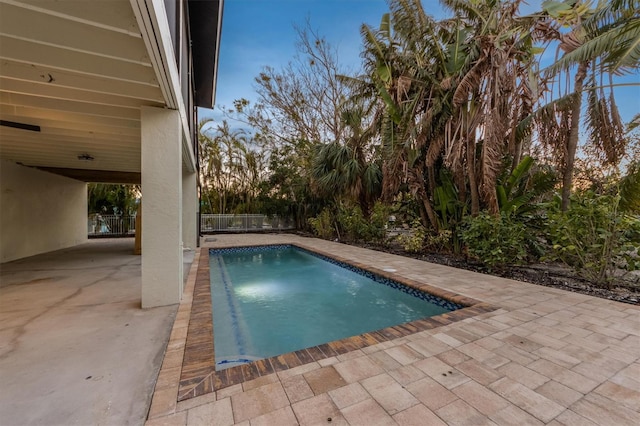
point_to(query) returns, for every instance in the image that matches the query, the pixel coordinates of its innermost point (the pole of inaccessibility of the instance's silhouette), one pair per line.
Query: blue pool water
(277, 299)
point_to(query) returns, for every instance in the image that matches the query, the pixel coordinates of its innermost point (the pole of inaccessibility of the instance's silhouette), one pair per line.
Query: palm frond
(634, 123)
(630, 190)
(544, 112)
(467, 9)
(469, 83)
(611, 14)
(371, 179)
(605, 129)
(618, 47)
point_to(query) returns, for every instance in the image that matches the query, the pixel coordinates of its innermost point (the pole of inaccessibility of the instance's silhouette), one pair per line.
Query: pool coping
(197, 375)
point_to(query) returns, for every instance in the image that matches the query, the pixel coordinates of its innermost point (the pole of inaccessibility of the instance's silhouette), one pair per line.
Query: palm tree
(454, 93)
(402, 81)
(210, 161)
(612, 34)
(348, 167)
(601, 42)
(493, 93)
(222, 162)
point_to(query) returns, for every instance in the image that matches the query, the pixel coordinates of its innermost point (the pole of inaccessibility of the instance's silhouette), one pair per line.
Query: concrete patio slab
(75, 346)
(543, 356)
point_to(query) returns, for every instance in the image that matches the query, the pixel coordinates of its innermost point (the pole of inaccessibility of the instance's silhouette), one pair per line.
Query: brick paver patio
(544, 356)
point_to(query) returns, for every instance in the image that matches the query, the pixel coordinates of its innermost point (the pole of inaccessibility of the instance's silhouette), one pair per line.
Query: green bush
(351, 222)
(322, 224)
(355, 227)
(441, 241)
(413, 242)
(377, 229)
(595, 238)
(495, 240)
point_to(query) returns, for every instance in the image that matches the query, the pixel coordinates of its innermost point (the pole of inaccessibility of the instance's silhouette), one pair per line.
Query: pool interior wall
(198, 374)
(276, 299)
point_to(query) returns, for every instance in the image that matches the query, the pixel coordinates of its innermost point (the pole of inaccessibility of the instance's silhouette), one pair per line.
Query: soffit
(205, 19)
(80, 71)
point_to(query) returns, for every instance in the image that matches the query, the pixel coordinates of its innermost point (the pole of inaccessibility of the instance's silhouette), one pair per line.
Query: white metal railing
(243, 222)
(103, 225)
(110, 224)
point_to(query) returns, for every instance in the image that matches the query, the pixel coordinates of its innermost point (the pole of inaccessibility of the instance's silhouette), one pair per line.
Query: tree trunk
(471, 170)
(574, 133)
(424, 197)
(427, 215)
(517, 154)
(430, 214)
(424, 219)
(417, 183)
(461, 184)
(365, 205)
(524, 143)
(223, 202)
(431, 173)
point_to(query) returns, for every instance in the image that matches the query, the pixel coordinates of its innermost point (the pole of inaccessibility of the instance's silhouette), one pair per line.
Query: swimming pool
(270, 300)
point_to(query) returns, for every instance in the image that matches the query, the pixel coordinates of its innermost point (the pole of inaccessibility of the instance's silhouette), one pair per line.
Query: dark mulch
(550, 275)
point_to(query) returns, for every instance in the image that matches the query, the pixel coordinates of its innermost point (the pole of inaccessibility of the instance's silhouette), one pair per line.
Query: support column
(162, 266)
(189, 210)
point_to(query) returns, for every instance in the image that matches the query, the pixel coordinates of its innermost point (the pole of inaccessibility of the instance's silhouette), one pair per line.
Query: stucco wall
(39, 212)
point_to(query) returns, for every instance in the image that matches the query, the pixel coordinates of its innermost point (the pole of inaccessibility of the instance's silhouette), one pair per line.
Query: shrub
(413, 242)
(322, 224)
(441, 241)
(355, 227)
(351, 222)
(377, 229)
(495, 240)
(595, 238)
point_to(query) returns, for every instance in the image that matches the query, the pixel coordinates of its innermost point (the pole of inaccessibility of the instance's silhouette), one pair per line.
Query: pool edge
(198, 375)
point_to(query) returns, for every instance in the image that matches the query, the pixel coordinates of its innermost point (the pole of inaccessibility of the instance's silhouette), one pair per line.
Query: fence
(243, 223)
(116, 225)
(110, 224)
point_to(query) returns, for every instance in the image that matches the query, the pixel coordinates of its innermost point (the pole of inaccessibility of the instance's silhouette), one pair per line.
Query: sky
(259, 33)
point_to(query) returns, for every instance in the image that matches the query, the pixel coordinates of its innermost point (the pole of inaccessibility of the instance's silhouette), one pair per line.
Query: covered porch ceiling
(73, 76)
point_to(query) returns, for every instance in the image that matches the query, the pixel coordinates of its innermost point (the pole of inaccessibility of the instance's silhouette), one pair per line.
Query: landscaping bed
(625, 290)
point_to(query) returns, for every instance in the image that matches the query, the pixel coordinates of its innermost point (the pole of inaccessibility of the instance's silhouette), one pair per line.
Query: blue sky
(259, 33)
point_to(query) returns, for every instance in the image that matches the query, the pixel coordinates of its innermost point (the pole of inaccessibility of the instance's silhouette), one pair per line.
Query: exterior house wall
(39, 212)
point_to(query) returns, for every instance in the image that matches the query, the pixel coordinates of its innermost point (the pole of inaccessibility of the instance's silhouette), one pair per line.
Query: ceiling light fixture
(85, 157)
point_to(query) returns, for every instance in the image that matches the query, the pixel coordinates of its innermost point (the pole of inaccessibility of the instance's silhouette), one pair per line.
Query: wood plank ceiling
(78, 70)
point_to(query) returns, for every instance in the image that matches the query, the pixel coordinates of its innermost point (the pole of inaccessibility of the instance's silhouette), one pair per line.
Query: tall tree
(350, 167)
(455, 91)
(600, 42)
(112, 199)
(300, 109)
(229, 167)
(301, 101)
